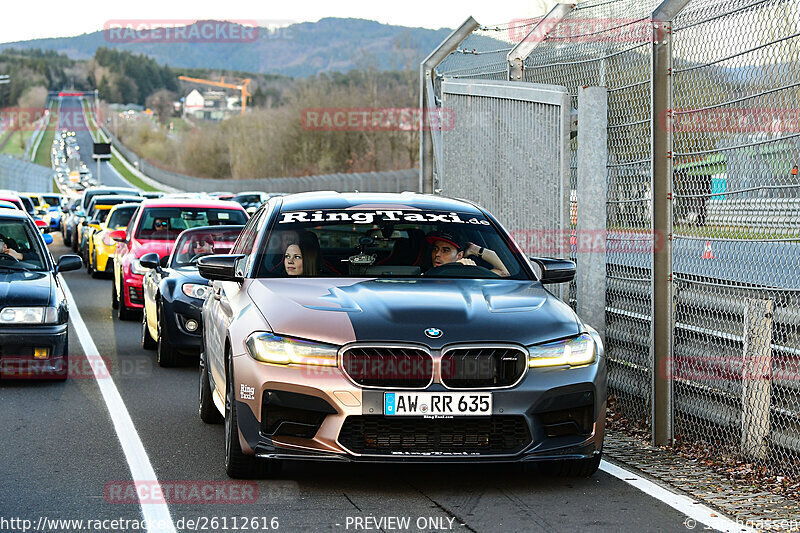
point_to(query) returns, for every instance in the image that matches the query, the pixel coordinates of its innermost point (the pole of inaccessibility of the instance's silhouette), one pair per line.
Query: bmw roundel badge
(433, 333)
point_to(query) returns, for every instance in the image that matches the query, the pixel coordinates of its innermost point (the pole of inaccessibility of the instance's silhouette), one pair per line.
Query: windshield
(19, 247)
(198, 242)
(247, 198)
(100, 213)
(28, 203)
(87, 197)
(166, 223)
(52, 200)
(391, 243)
(121, 217)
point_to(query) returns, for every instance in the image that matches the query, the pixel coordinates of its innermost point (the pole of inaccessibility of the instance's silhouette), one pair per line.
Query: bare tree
(162, 103)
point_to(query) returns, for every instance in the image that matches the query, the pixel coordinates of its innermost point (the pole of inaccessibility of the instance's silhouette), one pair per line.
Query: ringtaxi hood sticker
(381, 215)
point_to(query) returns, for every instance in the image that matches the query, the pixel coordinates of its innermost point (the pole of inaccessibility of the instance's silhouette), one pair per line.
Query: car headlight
(137, 268)
(29, 315)
(108, 241)
(269, 348)
(573, 352)
(195, 290)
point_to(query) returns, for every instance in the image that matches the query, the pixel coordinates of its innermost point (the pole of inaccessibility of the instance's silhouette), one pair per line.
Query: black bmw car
(174, 292)
(33, 308)
(395, 328)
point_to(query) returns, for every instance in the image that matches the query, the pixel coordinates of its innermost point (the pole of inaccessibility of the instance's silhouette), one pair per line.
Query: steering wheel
(456, 270)
(7, 256)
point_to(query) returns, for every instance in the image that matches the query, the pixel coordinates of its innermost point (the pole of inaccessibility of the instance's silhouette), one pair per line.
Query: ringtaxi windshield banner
(382, 215)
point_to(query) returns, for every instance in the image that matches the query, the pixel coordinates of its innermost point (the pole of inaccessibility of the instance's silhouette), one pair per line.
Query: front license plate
(437, 403)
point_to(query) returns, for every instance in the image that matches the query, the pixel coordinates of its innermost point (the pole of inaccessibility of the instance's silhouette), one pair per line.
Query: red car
(154, 228)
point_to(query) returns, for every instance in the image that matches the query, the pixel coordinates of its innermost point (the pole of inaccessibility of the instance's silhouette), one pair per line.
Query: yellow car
(101, 246)
(96, 213)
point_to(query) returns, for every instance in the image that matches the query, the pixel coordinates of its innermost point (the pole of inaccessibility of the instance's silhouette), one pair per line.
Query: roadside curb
(747, 505)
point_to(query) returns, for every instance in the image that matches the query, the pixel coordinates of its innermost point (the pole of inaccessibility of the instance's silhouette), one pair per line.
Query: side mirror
(119, 235)
(94, 222)
(220, 267)
(150, 260)
(164, 261)
(555, 270)
(69, 262)
(48, 239)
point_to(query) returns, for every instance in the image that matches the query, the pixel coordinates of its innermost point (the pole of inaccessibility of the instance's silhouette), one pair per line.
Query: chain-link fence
(388, 181)
(19, 175)
(703, 146)
(736, 88)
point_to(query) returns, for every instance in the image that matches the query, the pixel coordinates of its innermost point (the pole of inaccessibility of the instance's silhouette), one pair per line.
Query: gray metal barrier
(19, 175)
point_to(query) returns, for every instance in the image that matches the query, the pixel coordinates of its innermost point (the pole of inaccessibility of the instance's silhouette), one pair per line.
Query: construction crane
(239, 86)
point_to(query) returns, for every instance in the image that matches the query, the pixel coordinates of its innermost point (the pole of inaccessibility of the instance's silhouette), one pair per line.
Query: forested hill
(304, 49)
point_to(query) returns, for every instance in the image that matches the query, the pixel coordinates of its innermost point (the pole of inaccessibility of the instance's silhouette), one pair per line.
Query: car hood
(18, 289)
(382, 310)
(189, 275)
(141, 247)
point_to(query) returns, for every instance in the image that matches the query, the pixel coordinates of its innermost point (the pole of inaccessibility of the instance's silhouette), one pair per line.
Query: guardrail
(388, 181)
(19, 175)
(36, 139)
(755, 214)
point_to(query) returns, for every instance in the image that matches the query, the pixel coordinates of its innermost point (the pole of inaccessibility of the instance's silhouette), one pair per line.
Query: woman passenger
(302, 258)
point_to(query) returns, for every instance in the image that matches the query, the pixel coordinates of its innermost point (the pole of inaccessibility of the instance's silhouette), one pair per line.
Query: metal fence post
(516, 57)
(661, 167)
(427, 100)
(591, 198)
(757, 377)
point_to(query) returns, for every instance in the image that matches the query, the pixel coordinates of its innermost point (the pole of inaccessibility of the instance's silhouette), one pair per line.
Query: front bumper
(17, 349)
(133, 291)
(103, 254)
(561, 411)
(177, 313)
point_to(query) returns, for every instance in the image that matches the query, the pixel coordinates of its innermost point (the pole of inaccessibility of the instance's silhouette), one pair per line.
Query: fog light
(191, 325)
(40, 353)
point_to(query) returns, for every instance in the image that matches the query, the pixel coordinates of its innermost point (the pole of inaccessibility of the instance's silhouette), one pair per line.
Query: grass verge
(115, 162)
(42, 156)
(13, 147)
(128, 175)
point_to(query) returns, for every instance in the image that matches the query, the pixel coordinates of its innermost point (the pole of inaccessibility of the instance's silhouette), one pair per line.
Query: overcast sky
(60, 18)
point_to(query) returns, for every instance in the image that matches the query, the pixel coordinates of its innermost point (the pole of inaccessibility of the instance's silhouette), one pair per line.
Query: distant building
(210, 105)
(215, 100)
(193, 102)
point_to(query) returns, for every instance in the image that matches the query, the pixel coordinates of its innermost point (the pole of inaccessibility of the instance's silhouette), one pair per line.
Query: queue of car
(346, 327)
(69, 170)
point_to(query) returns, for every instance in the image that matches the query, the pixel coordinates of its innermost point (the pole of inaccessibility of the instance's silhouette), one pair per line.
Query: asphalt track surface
(72, 117)
(60, 458)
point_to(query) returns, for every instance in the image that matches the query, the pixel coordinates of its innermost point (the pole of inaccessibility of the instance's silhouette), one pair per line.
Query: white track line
(156, 514)
(696, 513)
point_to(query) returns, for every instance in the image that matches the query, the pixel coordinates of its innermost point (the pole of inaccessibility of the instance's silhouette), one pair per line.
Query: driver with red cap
(449, 248)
